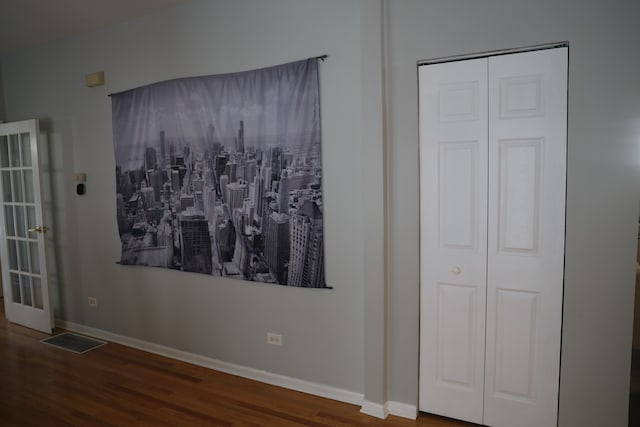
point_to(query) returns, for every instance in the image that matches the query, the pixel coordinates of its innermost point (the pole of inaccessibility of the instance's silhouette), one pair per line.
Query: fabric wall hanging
(222, 175)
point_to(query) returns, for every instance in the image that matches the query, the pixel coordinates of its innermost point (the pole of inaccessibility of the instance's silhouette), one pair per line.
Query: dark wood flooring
(116, 385)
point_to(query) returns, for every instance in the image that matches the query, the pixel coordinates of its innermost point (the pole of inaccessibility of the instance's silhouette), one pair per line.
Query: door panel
(453, 203)
(516, 320)
(519, 201)
(527, 168)
(22, 247)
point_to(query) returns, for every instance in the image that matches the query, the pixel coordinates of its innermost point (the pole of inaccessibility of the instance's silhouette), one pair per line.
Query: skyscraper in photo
(283, 193)
(250, 168)
(276, 242)
(236, 192)
(220, 163)
(175, 180)
(306, 264)
(172, 154)
(195, 242)
(240, 138)
(162, 150)
(267, 178)
(150, 158)
(230, 170)
(155, 182)
(258, 194)
(241, 254)
(224, 182)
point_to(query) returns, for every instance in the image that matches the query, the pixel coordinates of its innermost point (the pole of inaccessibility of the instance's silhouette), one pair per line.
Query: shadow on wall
(57, 171)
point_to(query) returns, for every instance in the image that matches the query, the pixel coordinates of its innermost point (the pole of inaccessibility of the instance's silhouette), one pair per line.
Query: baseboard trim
(403, 410)
(373, 409)
(218, 365)
(377, 410)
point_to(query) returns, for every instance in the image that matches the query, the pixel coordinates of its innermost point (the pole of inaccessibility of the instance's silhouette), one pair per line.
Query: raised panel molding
(521, 96)
(459, 101)
(456, 326)
(520, 187)
(516, 329)
(458, 187)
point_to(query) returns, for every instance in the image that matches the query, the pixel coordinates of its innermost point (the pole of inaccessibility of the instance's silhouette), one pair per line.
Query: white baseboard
(377, 410)
(403, 410)
(381, 411)
(374, 409)
(218, 365)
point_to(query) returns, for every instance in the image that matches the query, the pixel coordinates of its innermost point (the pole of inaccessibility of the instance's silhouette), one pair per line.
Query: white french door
(493, 174)
(23, 246)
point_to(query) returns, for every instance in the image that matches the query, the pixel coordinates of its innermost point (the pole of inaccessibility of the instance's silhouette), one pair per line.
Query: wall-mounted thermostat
(80, 178)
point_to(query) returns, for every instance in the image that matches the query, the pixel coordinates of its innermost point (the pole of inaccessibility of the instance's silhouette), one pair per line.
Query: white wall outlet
(274, 339)
(93, 301)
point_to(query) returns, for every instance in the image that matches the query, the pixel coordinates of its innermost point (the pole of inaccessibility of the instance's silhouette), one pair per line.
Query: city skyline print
(222, 175)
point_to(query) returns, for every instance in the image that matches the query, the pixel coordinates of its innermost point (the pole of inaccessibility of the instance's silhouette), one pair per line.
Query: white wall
(219, 318)
(603, 180)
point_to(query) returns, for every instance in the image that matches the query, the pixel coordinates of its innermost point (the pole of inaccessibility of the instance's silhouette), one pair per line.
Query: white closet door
(527, 162)
(453, 236)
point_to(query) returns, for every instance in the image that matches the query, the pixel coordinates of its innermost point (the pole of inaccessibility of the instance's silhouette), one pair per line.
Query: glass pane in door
(8, 219)
(23, 256)
(6, 187)
(26, 290)
(15, 288)
(21, 231)
(28, 186)
(4, 152)
(34, 257)
(17, 186)
(13, 254)
(25, 145)
(31, 221)
(14, 151)
(37, 293)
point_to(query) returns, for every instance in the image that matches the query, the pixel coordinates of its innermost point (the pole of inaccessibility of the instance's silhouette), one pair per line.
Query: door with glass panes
(23, 244)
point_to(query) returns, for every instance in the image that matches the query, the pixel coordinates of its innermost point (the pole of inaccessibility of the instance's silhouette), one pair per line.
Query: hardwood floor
(116, 385)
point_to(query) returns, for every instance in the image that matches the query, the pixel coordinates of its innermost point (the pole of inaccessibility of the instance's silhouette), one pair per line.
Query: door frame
(489, 53)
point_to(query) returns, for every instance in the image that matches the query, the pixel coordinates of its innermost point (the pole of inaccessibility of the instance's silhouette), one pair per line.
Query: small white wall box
(94, 79)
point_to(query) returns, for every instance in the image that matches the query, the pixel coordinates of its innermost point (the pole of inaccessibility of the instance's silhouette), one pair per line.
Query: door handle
(39, 229)
(456, 270)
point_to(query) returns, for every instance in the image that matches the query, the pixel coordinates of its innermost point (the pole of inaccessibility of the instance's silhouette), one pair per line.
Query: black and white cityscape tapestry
(222, 175)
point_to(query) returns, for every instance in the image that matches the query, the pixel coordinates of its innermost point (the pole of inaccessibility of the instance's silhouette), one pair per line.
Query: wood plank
(116, 385)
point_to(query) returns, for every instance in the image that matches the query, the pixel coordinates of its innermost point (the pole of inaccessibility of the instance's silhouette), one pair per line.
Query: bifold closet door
(527, 182)
(492, 186)
(453, 237)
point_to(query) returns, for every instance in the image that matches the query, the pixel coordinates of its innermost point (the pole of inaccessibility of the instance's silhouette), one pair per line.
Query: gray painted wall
(603, 181)
(326, 338)
(219, 318)
(2, 108)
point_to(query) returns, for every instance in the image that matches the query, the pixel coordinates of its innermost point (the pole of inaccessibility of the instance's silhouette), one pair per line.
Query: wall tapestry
(222, 175)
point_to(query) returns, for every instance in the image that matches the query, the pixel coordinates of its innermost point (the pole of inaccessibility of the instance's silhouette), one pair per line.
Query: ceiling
(26, 23)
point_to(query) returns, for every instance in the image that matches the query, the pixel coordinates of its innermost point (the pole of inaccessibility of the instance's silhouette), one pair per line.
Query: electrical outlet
(274, 339)
(93, 301)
